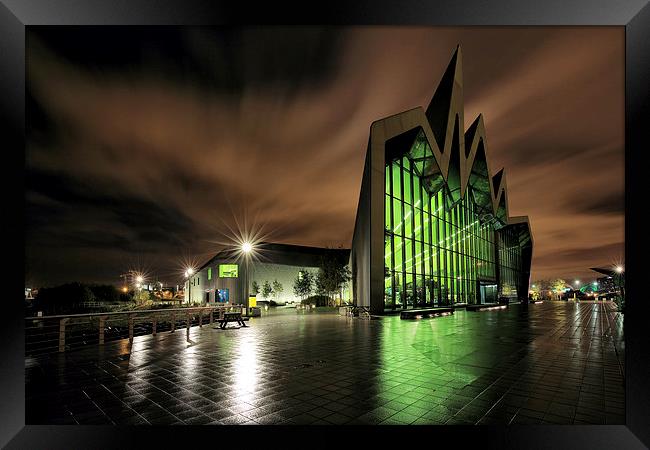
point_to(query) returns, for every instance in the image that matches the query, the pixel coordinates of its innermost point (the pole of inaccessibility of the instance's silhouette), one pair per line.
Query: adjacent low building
(229, 276)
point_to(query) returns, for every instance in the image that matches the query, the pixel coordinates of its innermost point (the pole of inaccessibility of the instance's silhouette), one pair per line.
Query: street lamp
(247, 249)
(620, 284)
(577, 283)
(188, 273)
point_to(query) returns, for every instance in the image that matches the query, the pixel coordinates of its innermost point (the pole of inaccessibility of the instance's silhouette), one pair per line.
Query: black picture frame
(634, 15)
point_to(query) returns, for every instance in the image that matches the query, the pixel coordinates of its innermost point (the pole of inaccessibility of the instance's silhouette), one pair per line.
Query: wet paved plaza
(554, 362)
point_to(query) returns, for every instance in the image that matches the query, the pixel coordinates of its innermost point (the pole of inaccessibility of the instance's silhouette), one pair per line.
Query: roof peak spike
(447, 99)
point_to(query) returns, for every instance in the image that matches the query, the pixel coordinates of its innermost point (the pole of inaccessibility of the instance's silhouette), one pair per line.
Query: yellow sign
(252, 302)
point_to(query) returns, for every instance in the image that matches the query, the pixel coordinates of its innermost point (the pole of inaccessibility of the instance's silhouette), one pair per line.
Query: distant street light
(188, 273)
(247, 249)
(619, 281)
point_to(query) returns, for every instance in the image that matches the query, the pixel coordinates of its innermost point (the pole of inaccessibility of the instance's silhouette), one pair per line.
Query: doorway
(488, 293)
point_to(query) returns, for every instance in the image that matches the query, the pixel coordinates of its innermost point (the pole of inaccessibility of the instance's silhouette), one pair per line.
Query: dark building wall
(360, 252)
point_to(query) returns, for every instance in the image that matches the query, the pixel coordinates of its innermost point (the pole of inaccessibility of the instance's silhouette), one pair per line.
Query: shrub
(318, 300)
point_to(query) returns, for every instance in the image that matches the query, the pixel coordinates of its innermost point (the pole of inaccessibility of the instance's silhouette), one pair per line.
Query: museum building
(432, 226)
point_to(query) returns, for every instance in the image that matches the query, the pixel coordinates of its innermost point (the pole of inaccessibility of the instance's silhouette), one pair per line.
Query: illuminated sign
(222, 295)
(228, 270)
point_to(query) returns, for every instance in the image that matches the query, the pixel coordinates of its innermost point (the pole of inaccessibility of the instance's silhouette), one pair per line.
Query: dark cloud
(612, 203)
(147, 146)
(225, 60)
(605, 254)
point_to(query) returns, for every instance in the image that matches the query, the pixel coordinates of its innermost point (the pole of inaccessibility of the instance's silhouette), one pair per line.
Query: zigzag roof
(442, 126)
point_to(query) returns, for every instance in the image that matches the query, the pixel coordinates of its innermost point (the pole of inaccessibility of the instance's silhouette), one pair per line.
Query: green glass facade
(438, 251)
(433, 226)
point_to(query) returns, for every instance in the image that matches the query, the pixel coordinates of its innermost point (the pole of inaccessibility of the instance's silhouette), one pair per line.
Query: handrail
(133, 317)
(107, 313)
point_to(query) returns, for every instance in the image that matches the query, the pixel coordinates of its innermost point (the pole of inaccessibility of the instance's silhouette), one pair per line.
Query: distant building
(225, 279)
(607, 285)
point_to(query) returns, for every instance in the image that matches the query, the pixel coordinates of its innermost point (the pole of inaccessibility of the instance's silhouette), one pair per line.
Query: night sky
(147, 146)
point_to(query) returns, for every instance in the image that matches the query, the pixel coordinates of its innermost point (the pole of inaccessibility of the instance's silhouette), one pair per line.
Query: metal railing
(60, 333)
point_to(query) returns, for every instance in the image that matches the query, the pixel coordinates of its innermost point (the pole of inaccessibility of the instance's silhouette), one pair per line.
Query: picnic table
(232, 316)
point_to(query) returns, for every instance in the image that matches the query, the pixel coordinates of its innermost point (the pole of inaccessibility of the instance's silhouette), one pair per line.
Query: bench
(232, 317)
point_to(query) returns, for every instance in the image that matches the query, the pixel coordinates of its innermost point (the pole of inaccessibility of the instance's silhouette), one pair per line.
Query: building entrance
(488, 293)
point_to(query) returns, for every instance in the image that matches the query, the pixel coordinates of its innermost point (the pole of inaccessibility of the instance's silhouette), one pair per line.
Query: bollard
(211, 316)
(188, 326)
(200, 318)
(154, 325)
(62, 324)
(102, 325)
(131, 328)
(173, 322)
(221, 310)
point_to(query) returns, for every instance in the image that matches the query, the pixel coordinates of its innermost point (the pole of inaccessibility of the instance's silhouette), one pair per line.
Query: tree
(320, 283)
(142, 297)
(545, 289)
(558, 285)
(302, 285)
(64, 299)
(105, 293)
(333, 275)
(267, 290)
(536, 290)
(255, 288)
(277, 289)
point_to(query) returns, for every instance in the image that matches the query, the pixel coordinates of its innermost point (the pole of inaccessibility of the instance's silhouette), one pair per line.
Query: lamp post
(188, 274)
(247, 249)
(577, 283)
(619, 279)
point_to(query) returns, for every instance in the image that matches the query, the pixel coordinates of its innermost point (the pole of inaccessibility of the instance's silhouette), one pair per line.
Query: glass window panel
(418, 225)
(387, 202)
(408, 244)
(408, 220)
(397, 257)
(388, 254)
(409, 289)
(396, 181)
(407, 187)
(397, 217)
(387, 179)
(399, 289)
